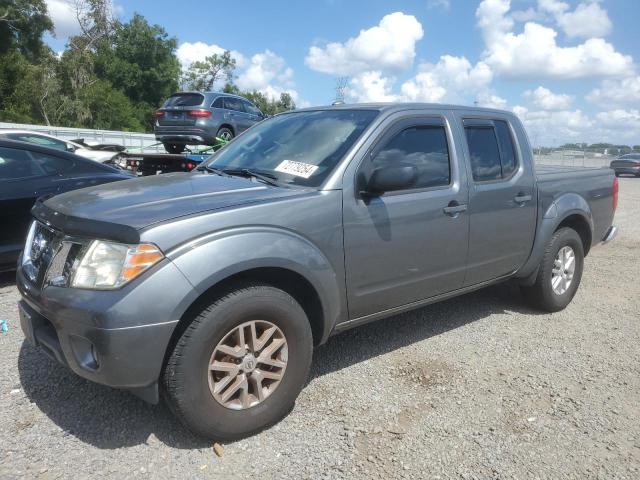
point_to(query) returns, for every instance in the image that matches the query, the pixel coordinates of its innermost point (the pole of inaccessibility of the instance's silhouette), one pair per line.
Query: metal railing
(573, 158)
(145, 142)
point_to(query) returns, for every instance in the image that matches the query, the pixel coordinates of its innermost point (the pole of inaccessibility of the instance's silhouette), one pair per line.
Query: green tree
(266, 105)
(22, 24)
(140, 61)
(203, 75)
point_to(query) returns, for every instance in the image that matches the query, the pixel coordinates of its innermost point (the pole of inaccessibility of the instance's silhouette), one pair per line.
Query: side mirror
(390, 178)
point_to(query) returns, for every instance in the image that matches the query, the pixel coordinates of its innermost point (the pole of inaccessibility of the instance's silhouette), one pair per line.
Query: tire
(176, 148)
(541, 294)
(225, 133)
(187, 377)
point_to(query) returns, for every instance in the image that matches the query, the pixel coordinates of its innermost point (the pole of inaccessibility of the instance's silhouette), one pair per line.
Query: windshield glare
(299, 148)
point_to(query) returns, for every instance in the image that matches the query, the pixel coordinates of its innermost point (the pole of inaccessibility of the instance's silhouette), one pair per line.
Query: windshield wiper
(269, 178)
(217, 171)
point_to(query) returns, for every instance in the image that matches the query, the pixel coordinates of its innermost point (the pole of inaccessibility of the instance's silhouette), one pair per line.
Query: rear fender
(560, 209)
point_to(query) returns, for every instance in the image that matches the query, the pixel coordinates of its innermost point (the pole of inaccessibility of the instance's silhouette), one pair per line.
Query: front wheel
(559, 273)
(240, 364)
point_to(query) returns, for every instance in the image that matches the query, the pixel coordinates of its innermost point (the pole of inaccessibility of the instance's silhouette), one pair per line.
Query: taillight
(190, 165)
(199, 113)
(158, 114)
(616, 189)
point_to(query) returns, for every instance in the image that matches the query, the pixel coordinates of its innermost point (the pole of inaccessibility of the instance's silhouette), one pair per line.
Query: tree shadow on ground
(107, 418)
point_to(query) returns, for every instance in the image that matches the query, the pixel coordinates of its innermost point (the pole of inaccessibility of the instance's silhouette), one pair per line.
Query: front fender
(208, 260)
(560, 209)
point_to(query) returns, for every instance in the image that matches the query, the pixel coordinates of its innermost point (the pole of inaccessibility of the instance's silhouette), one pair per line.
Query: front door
(502, 202)
(409, 245)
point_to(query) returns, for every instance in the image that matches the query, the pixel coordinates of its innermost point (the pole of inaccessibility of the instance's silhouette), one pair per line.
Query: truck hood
(141, 202)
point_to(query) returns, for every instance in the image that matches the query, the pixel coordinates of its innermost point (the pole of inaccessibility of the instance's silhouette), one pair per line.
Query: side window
(50, 164)
(507, 149)
(251, 108)
(426, 148)
(38, 140)
(485, 156)
(218, 103)
(231, 103)
(16, 164)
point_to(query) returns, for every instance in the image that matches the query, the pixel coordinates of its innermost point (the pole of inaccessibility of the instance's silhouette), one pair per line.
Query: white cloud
(545, 99)
(64, 18)
(620, 119)
(535, 53)
(265, 72)
(442, 4)
(588, 20)
(617, 92)
(452, 79)
(188, 53)
(372, 87)
(387, 47)
(268, 73)
(546, 127)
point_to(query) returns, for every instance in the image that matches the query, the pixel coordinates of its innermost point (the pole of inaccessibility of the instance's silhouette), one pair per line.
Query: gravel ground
(476, 387)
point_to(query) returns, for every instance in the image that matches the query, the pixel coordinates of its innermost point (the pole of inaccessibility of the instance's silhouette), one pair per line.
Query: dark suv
(195, 118)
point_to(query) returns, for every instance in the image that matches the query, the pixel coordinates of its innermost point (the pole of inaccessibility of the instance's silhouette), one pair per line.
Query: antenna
(341, 87)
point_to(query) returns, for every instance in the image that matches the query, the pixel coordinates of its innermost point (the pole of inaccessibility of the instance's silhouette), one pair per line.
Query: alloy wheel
(248, 364)
(564, 267)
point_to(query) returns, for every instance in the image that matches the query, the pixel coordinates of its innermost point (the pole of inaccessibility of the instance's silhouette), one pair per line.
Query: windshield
(299, 148)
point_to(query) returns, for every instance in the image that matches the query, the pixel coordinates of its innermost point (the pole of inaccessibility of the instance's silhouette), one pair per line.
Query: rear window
(184, 100)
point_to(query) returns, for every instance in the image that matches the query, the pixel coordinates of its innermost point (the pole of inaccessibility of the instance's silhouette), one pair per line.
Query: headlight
(108, 265)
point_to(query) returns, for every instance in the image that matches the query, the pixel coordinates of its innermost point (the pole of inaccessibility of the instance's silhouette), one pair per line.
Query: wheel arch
(569, 210)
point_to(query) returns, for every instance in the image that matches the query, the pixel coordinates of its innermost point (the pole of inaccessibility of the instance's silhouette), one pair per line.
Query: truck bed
(591, 184)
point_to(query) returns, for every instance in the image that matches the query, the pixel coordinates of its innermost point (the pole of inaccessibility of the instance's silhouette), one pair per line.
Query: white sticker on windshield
(298, 169)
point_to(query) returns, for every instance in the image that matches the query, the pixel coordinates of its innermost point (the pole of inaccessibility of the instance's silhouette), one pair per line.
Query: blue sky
(568, 68)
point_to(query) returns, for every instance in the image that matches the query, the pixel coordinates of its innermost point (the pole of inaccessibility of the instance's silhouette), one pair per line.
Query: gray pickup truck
(211, 288)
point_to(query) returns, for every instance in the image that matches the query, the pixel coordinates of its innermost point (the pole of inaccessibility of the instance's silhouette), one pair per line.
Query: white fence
(574, 158)
(134, 141)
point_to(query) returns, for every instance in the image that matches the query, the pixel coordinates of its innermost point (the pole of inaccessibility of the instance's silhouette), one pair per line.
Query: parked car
(101, 155)
(193, 118)
(28, 171)
(310, 223)
(628, 164)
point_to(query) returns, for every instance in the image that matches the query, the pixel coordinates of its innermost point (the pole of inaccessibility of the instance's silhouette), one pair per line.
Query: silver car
(193, 118)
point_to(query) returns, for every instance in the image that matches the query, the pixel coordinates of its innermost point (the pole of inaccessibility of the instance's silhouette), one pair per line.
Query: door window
(507, 149)
(18, 164)
(38, 140)
(423, 146)
(50, 164)
(231, 103)
(218, 103)
(491, 150)
(252, 109)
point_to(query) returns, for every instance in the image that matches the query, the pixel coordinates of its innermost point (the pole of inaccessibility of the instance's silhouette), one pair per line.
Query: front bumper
(117, 338)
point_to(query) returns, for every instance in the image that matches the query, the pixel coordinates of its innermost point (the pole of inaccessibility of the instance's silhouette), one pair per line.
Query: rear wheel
(174, 147)
(225, 133)
(240, 364)
(559, 273)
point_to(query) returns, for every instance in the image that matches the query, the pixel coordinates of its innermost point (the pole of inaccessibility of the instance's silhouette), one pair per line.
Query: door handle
(454, 209)
(522, 198)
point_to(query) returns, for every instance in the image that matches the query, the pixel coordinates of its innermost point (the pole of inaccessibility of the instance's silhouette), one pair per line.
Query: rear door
(237, 115)
(502, 203)
(175, 109)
